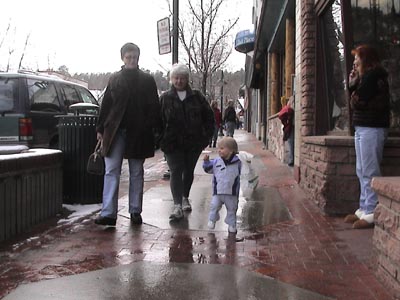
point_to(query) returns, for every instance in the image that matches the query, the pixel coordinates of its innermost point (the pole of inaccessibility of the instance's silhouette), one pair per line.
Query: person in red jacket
(217, 116)
(286, 115)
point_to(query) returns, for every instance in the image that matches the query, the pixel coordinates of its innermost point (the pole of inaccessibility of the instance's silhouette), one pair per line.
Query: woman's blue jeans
(112, 176)
(369, 143)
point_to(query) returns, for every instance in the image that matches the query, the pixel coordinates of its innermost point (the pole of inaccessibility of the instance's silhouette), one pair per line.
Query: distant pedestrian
(217, 117)
(230, 118)
(286, 115)
(369, 88)
(188, 124)
(226, 182)
(129, 112)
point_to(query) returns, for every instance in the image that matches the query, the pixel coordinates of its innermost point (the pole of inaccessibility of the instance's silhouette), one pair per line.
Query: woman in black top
(369, 101)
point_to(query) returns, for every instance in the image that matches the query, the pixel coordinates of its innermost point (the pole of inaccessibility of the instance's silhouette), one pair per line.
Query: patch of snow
(28, 153)
(79, 211)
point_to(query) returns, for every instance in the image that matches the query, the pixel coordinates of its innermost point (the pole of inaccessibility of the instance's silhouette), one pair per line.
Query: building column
(274, 71)
(289, 57)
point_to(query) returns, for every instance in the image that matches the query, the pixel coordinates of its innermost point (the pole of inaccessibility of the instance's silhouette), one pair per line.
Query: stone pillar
(289, 57)
(274, 71)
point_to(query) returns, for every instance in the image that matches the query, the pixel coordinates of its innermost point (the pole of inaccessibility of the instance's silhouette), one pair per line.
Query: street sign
(164, 37)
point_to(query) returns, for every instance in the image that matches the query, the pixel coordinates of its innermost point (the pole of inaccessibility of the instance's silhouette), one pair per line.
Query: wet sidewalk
(285, 248)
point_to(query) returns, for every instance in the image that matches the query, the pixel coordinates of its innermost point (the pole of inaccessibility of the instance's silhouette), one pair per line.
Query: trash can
(77, 140)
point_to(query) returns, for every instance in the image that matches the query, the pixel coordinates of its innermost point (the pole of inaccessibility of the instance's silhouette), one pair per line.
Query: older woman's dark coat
(188, 125)
(130, 97)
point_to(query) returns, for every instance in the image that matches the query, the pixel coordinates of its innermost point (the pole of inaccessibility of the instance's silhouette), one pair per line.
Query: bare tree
(205, 38)
(11, 50)
(23, 51)
(5, 34)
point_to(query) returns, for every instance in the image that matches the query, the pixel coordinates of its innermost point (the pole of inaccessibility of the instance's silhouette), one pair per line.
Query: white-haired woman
(188, 124)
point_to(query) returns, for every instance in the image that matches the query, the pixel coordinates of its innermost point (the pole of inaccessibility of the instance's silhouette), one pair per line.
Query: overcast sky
(86, 35)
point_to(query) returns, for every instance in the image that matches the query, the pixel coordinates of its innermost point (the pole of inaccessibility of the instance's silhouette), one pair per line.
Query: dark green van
(30, 104)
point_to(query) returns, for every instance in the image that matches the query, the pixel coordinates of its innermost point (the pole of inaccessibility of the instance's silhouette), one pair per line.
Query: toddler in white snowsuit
(226, 182)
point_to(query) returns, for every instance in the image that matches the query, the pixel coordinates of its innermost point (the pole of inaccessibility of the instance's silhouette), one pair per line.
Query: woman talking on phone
(369, 100)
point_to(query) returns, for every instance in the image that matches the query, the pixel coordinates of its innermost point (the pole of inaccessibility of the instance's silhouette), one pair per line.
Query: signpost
(164, 37)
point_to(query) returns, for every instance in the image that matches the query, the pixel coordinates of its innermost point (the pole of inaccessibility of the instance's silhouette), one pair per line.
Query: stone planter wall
(275, 139)
(386, 238)
(328, 172)
(30, 189)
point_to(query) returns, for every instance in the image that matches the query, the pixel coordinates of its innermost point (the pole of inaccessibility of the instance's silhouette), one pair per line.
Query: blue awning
(244, 41)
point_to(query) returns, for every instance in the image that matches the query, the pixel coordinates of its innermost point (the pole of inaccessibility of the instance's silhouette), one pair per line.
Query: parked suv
(30, 104)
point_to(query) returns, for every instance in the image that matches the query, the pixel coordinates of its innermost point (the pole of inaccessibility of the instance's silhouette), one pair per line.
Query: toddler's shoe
(232, 229)
(211, 224)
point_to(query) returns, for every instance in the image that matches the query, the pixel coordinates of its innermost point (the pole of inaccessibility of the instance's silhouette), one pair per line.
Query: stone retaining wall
(275, 139)
(30, 189)
(328, 171)
(386, 238)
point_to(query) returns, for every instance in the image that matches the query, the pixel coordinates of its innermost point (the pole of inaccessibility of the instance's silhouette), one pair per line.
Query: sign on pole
(164, 37)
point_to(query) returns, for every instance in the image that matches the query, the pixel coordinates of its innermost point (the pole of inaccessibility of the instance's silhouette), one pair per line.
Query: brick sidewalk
(311, 251)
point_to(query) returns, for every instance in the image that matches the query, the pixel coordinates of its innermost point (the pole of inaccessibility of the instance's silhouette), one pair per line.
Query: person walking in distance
(187, 126)
(370, 103)
(230, 118)
(225, 183)
(129, 113)
(217, 117)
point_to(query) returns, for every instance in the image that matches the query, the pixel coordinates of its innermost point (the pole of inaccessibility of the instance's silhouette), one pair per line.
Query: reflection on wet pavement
(264, 208)
(145, 280)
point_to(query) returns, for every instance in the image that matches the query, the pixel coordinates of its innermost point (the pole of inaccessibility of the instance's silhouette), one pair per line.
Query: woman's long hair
(368, 55)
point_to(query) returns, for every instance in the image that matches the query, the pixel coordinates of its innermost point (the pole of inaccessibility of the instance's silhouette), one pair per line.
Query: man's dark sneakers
(105, 221)
(136, 219)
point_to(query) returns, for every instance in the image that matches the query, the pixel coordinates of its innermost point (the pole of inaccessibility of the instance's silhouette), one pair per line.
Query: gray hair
(179, 69)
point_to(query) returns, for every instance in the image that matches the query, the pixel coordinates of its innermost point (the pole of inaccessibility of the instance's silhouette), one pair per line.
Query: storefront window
(334, 58)
(378, 23)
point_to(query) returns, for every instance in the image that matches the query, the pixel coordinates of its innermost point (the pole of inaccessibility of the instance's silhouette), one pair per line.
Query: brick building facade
(324, 34)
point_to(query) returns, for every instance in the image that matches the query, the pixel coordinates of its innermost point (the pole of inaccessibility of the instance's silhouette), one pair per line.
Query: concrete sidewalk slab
(144, 280)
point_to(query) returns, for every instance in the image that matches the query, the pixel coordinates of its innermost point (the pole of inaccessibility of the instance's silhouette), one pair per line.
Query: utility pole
(221, 132)
(175, 32)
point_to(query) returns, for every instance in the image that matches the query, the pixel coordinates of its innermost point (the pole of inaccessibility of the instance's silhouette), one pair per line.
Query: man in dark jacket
(129, 113)
(230, 118)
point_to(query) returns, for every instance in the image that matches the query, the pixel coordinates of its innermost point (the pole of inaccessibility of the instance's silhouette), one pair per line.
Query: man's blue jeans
(112, 176)
(369, 143)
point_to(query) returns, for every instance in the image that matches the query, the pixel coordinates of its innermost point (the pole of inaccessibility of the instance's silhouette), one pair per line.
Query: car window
(86, 95)
(8, 92)
(71, 96)
(42, 95)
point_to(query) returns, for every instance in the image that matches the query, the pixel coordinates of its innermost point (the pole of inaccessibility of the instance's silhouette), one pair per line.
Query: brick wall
(328, 175)
(386, 238)
(308, 61)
